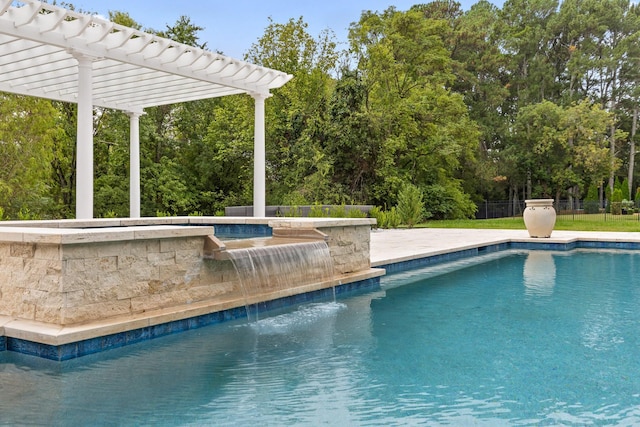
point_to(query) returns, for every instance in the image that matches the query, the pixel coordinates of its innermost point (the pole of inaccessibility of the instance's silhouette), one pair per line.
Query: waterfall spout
(276, 271)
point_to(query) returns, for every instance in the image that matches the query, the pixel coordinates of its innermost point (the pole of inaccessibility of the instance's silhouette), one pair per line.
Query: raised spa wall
(82, 272)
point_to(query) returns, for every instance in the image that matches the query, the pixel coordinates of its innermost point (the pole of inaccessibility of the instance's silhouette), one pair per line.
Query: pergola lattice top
(132, 70)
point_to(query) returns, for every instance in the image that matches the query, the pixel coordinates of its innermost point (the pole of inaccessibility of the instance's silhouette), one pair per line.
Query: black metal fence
(567, 209)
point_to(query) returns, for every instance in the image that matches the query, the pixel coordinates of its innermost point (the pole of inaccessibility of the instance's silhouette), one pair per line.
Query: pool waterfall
(71, 288)
(270, 268)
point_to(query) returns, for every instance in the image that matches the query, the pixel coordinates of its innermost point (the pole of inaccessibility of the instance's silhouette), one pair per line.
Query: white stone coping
(96, 235)
(129, 222)
(12, 230)
(320, 222)
(290, 222)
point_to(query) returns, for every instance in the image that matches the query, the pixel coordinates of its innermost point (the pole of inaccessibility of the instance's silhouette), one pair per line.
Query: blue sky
(232, 26)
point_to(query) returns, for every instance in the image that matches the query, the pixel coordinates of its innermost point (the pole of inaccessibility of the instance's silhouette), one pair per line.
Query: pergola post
(84, 142)
(134, 164)
(259, 156)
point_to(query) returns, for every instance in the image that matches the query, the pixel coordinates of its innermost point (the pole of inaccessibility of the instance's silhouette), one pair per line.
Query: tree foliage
(537, 98)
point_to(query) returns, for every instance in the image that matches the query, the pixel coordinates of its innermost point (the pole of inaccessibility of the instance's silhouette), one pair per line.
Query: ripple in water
(301, 319)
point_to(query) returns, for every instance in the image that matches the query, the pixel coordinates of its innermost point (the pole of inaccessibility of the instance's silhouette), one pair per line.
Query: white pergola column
(84, 142)
(259, 157)
(134, 164)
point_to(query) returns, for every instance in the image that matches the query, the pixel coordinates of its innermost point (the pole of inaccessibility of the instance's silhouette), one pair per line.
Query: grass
(582, 222)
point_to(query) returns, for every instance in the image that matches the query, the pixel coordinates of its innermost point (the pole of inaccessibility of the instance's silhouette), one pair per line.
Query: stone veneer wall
(30, 279)
(349, 248)
(73, 276)
(77, 283)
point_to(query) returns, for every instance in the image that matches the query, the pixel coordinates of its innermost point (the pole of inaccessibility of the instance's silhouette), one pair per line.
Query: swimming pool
(481, 341)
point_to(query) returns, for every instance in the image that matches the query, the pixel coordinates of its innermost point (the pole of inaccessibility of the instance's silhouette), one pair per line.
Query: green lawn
(582, 222)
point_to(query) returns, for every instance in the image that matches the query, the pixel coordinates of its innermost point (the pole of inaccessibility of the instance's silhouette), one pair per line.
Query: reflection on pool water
(484, 341)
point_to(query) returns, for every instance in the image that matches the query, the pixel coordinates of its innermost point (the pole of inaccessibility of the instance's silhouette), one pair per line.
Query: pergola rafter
(50, 52)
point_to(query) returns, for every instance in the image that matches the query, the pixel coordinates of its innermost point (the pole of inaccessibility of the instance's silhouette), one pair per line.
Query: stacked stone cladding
(349, 248)
(70, 284)
(73, 282)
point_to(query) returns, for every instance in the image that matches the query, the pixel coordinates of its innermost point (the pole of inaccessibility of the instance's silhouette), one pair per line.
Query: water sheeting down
(270, 272)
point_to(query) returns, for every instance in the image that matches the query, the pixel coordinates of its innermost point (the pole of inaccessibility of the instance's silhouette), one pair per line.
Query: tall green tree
(480, 69)
(562, 148)
(297, 169)
(423, 127)
(526, 39)
(27, 132)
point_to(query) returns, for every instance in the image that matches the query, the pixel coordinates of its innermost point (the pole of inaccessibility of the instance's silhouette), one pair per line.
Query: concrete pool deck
(399, 245)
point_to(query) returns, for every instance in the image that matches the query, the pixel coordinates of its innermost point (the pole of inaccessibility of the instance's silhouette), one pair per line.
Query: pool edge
(79, 348)
(36, 343)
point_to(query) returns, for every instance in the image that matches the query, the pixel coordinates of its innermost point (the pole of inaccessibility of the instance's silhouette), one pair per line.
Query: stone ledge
(320, 222)
(67, 236)
(292, 222)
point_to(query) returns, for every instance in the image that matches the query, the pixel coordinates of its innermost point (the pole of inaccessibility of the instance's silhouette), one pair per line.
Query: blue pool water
(515, 338)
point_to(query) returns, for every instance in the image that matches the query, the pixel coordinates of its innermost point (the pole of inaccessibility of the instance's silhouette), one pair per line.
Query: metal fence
(565, 209)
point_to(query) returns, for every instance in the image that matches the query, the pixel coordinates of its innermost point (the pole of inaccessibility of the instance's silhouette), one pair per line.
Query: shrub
(356, 213)
(626, 206)
(448, 202)
(316, 211)
(392, 218)
(379, 215)
(25, 214)
(616, 201)
(293, 211)
(385, 219)
(410, 205)
(338, 212)
(624, 187)
(591, 203)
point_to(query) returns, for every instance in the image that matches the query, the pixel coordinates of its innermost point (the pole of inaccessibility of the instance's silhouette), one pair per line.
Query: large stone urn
(539, 217)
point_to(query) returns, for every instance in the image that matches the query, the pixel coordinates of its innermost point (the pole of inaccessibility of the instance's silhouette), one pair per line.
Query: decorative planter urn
(539, 217)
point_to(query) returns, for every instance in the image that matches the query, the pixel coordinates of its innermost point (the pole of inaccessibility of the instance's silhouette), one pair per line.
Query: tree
(353, 144)
(296, 116)
(63, 161)
(481, 77)
(185, 32)
(524, 29)
(27, 132)
(163, 180)
(422, 130)
(224, 163)
(562, 148)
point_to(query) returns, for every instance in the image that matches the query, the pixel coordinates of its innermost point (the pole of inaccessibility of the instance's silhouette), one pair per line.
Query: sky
(232, 26)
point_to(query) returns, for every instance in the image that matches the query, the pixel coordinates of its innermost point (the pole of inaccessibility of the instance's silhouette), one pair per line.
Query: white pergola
(50, 52)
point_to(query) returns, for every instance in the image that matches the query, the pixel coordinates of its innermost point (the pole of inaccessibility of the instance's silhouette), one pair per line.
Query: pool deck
(398, 245)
